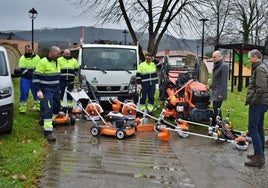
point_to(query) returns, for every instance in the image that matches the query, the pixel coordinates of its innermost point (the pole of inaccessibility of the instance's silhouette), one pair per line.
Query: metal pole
(33, 34)
(202, 55)
(203, 33)
(32, 14)
(125, 35)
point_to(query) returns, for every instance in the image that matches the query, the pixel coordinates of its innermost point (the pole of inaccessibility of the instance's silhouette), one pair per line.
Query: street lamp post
(125, 32)
(203, 20)
(32, 14)
(197, 49)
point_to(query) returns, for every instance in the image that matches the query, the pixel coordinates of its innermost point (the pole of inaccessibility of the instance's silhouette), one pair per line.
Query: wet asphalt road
(78, 159)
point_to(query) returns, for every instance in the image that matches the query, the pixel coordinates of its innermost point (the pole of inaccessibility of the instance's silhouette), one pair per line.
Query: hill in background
(65, 37)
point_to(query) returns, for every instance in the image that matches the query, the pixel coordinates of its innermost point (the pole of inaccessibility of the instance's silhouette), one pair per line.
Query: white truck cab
(110, 70)
(6, 94)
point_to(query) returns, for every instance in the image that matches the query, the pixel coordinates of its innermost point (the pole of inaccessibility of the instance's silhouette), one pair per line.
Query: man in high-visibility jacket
(69, 68)
(27, 64)
(46, 81)
(147, 79)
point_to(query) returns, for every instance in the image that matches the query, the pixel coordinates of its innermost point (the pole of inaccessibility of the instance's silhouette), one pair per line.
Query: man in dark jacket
(219, 84)
(257, 99)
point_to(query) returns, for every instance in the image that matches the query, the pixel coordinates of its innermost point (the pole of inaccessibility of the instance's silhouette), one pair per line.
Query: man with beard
(69, 67)
(27, 64)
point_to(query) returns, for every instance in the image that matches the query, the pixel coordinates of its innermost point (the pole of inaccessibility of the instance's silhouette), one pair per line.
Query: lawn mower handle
(182, 87)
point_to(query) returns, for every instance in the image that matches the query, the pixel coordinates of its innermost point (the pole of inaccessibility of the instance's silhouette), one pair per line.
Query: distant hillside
(65, 37)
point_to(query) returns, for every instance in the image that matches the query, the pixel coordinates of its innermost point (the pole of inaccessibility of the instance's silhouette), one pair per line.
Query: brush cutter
(240, 142)
(219, 132)
(223, 132)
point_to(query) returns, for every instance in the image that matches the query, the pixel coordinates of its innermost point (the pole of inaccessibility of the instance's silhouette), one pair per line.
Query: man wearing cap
(147, 79)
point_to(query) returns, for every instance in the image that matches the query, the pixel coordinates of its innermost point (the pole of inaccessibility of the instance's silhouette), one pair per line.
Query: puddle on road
(171, 169)
(79, 159)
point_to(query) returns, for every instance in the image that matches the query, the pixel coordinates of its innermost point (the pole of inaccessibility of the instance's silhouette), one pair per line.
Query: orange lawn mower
(116, 123)
(67, 115)
(64, 117)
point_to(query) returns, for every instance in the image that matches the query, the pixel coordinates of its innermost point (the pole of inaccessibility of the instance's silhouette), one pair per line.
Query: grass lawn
(235, 104)
(22, 153)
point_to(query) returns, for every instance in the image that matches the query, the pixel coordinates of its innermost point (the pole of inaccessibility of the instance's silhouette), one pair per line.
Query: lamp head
(125, 32)
(32, 13)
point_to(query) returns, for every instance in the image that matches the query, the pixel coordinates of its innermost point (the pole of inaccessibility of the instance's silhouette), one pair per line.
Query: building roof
(174, 53)
(10, 36)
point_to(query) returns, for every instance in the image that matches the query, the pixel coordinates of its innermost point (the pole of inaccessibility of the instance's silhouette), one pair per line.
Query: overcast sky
(51, 14)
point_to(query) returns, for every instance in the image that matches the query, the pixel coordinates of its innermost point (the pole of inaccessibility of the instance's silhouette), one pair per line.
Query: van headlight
(132, 88)
(5, 92)
(83, 83)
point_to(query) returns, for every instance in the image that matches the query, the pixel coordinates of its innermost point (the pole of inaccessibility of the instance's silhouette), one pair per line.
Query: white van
(110, 70)
(6, 94)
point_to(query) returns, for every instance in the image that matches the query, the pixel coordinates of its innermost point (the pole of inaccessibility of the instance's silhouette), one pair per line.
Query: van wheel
(7, 131)
(8, 128)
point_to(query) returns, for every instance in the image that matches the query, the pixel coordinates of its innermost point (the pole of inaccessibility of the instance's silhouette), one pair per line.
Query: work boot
(250, 156)
(256, 161)
(22, 107)
(50, 138)
(141, 107)
(37, 106)
(150, 108)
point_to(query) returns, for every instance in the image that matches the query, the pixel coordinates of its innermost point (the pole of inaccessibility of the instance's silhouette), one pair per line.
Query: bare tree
(218, 14)
(249, 19)
(153, 17)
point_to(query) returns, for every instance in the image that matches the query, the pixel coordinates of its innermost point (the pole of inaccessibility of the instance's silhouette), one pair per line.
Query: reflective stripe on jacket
(147, 73)
(68, 68)
(47, 74)
(27, 65)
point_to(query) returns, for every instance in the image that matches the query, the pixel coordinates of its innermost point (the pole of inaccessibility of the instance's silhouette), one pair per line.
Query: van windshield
(3, 65)
(109, 59)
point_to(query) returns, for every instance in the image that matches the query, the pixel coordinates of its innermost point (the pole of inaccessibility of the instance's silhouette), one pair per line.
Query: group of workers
(47, 79)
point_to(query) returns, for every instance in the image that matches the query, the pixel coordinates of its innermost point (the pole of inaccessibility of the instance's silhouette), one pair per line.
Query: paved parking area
(78, 159)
